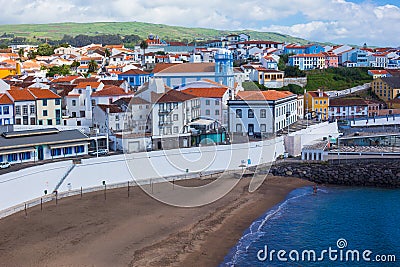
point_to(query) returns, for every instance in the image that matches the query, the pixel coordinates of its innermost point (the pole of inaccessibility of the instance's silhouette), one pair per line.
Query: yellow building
(48, 106)
(7, 69)
(386, 88)
(316, 105)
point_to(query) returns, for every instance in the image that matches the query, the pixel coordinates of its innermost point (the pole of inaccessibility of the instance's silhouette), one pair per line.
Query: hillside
(56, 31)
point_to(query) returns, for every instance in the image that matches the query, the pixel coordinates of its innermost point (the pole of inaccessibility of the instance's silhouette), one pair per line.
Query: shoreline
(137, 231)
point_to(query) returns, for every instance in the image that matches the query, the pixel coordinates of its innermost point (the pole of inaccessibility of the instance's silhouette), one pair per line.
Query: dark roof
(343, 102)
(112, 108)
(174, 96)
(39, 137)
(393, 82)
(112, 82)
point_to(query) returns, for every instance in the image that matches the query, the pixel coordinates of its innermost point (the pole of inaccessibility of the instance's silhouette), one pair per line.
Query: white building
(24, 105)
(347, 108)
(254, 112)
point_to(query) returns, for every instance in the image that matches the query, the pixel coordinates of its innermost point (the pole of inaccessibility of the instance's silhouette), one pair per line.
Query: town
(73, 101)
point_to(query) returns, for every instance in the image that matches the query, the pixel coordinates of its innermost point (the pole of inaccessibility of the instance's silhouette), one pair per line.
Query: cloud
(319, 20)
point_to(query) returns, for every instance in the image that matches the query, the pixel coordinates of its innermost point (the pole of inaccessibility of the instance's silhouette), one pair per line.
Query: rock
(289, 173)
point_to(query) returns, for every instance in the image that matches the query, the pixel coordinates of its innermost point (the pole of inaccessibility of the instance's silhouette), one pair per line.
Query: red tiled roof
(174, 96)
(82, 85)
(316, 94)
(65, 79)
(110, 90)
(187, 68)
(21, 94)
(206, 92)
(263, 95)
(162, 66)
(134, 72)
(43, 93)
(5, 100)
(309, 55)
(376, 72)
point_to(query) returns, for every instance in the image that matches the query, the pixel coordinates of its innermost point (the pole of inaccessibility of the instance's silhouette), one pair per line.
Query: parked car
(100, 152)
(4, 165)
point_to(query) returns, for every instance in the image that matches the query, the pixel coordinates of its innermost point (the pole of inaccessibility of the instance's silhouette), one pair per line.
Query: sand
(136, 231)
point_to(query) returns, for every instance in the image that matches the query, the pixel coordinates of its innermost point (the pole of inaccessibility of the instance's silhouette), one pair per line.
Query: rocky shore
(375, 173)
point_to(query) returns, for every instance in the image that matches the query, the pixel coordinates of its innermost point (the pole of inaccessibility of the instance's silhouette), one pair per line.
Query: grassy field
(55, 31)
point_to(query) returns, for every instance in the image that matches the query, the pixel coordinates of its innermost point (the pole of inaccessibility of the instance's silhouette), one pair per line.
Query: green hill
(56, 31)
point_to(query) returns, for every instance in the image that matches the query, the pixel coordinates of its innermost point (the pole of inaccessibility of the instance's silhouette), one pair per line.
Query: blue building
(303, 49)
(6, 110)
(135, 77)
(175, 75)
(360, 57)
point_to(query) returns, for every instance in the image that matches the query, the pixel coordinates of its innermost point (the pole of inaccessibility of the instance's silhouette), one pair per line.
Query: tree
(60, 70)
(144, 46)
(75, 64)
(107, 52)
(21, 53)
(92, 66)
(45, 50)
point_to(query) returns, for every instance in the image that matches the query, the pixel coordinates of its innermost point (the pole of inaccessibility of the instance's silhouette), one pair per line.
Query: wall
(301, 81)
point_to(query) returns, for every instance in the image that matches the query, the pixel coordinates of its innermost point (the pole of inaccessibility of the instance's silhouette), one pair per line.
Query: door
(133, 147)
(251, 129)
(40, 153)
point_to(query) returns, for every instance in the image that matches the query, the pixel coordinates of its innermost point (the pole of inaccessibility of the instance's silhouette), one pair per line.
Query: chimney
(320, 93)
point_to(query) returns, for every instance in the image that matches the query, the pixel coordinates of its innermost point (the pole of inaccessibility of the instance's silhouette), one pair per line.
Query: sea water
(334, 227)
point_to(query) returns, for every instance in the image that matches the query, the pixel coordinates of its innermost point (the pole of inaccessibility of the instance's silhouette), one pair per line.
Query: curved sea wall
(376, 173)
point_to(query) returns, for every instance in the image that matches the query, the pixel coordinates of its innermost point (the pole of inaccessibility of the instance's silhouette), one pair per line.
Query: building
(378, 73)
(316, 105)
(270, 78)
(24, 106)
(109, 118)
(300, 107)
(44, 144)
(213, 103)
(6, 110)
(261, 112)
(138, 118)
(308, 61)
(303, 49)
(135, 77)
(347, 108)
(386, 88)
(221, 71)
(48, 106)
(171, 113)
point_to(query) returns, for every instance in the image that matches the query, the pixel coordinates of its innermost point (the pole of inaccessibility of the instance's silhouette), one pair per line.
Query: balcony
(164, 123)
(164, 111)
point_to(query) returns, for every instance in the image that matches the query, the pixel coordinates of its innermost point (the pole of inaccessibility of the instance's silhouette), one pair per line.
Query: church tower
(224, 67)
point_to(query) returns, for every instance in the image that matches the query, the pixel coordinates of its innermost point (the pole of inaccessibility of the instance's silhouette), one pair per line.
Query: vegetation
(129, 32)
(337, 78)
(294, 71)
(60, 70)
(92, 66)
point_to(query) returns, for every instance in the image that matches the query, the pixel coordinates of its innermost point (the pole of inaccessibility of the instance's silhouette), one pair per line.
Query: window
(17, 110)
(67, 150)
(73, 115)
(12, 157)
(74, 102)
(217, 112)
(263, 128)
(25, 110)
(18, 121)
(238, 128)
(40, 122)
(79, 149)
(58, 102)
(79, 91)
(176, 129)
(238, 113)
(6, 110)
(250, 113)
(49, 122)
(44, 101)
(44, 113)
(207, 112)
(32, 109)
(207, 102)
(217, 102)
(58, 113)
(93, 102)
(0, 110)
(110, 100)
(316, 102)
(263, 113)
(56, 152)
(25, 155)
(82, 113)
(176, 117)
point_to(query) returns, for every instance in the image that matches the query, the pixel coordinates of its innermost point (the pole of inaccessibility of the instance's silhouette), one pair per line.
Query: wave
(255, 230)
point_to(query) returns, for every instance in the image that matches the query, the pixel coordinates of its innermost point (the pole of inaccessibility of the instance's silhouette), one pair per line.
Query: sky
(375, 22)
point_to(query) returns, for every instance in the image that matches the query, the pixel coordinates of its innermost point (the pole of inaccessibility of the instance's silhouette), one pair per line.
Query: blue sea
(343, 226)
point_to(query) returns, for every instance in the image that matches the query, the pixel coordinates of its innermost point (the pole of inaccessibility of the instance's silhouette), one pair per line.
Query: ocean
(337, 226)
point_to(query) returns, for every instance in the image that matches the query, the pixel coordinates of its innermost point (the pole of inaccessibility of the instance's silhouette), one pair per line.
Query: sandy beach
(136, 231)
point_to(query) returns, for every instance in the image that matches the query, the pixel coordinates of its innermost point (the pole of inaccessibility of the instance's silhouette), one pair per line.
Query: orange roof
(4, 99)
(162, 66)
(82, 85)
(65, 79)
(21, 94)
(378, 71)
(110, 91)
(73, 95)
(43, 93)
(263, 95)
(206, 92)
(316, 94)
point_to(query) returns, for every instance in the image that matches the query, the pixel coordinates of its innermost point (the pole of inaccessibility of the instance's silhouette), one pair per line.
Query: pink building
(331, 60)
